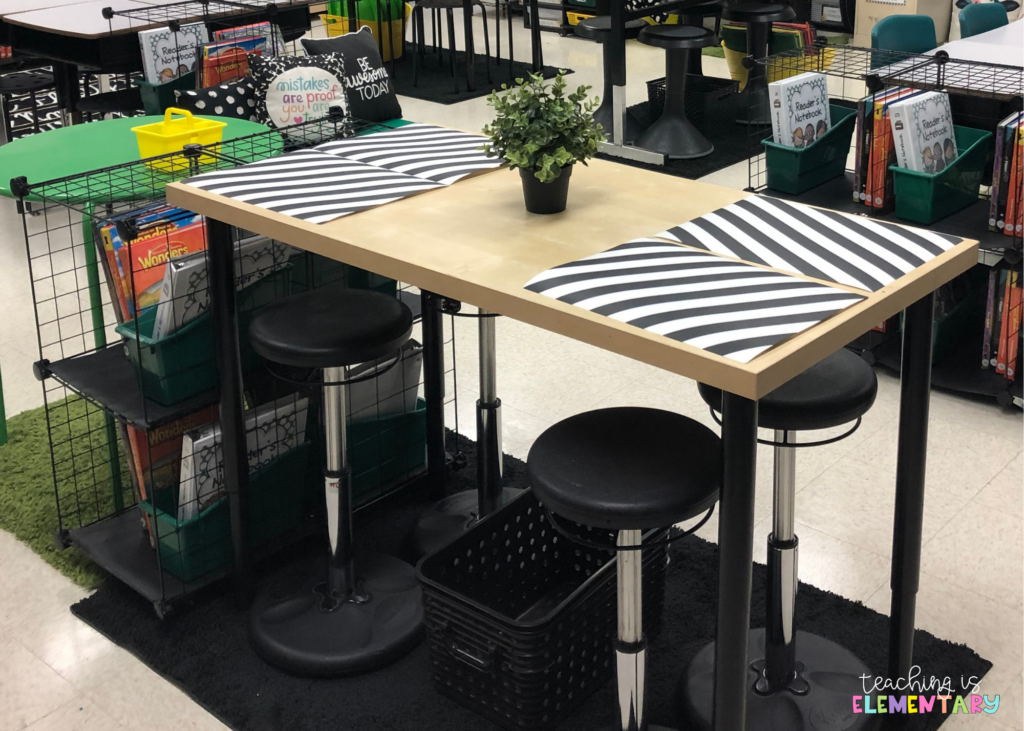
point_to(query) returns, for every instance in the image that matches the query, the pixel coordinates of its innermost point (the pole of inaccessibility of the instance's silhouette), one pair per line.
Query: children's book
(1013, 329)
(1004, 323)
(270, 33)
(185, 290)
(922, 130)
(270, 431)
(156, 454)
(997, 318)
(883, 150)
(990, 303)
(998, 175)
(865, 139)
(1013, 224)
(162, 234)
(166, 55)
(800, 110)
(228, 61)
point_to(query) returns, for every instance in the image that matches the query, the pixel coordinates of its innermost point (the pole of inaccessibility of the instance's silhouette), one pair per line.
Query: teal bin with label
(795, 171)
(927, 197)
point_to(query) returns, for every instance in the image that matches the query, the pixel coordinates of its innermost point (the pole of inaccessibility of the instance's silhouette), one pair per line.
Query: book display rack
(127, 362)
(976, 194)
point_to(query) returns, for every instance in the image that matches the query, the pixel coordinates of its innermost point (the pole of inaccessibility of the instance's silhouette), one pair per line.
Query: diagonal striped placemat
(836, 247)
(424, 150)
(730, 308)
(312, 185)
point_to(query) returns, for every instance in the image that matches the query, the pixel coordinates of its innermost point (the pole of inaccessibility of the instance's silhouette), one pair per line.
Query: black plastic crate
(521, 621)
(708, 100)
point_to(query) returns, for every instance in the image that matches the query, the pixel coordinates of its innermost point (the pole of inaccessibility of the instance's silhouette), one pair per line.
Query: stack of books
(1000, 347)
(1006, 209)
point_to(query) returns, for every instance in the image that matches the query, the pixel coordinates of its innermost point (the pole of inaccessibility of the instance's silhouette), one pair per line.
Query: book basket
(521, 622)
(130, 382)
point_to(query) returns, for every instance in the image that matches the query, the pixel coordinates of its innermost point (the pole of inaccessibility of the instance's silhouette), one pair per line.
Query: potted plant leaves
(543, 131)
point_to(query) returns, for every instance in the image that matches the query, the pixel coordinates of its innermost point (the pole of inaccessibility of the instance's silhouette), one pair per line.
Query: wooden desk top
(476, 243)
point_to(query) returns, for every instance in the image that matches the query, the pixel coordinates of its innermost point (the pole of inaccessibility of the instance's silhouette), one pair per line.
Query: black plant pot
(546, 197)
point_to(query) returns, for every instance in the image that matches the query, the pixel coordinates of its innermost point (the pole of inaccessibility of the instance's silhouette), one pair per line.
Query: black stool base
(832, 672)
(290, 629)
(448, 519)
(675, 137)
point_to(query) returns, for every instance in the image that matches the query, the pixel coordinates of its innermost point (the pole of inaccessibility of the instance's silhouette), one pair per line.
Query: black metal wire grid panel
(980, 95)
(120, 402)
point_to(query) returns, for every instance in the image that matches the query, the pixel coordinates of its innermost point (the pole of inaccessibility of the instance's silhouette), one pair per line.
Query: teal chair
(905, 33)
(981, 17)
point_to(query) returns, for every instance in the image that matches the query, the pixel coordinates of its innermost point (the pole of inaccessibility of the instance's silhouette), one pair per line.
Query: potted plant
(543, 131)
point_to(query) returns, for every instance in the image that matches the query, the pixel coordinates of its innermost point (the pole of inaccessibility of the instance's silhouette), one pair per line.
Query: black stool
(599, 29)
(673, 134)
(694, 15)
(798, 681)
(418, 32)
(354, 614)
(22, 83)
(753, 101)
(628, 470)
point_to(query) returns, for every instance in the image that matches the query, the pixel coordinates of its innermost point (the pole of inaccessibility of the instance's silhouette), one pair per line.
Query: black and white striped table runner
(424, 150)
(851, 250)
(312, 185)
(726, 307)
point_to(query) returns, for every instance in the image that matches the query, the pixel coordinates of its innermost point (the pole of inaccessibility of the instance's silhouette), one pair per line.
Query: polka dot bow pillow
(237, 100)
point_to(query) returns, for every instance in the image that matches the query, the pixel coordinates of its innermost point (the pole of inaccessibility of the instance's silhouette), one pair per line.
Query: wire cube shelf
(120, 289)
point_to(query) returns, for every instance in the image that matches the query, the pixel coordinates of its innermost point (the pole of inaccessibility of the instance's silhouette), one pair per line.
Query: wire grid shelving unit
(981, 96)
(119, 282)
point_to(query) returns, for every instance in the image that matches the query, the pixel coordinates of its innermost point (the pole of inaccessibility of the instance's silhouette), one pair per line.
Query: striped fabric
(726, 307)
(434, 153)
(851, 250)
(312, 185)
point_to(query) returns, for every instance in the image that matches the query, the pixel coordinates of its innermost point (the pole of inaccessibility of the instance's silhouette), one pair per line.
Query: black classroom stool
(600, 29)
(357, 613)
(753, 101)
(674, 134)
(796, 679)
(628, 470)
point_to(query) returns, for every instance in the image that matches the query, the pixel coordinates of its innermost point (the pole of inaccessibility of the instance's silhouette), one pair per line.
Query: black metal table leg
(915, 387)
(538, 56)
(735, 560)
(433, 392)
(467, 24)
(232, 426)
(66, 86)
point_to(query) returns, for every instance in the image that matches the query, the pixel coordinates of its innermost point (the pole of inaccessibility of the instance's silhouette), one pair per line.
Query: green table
(79, 149)
(68, 151)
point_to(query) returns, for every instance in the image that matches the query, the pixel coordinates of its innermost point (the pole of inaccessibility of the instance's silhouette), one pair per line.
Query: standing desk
(436, 242)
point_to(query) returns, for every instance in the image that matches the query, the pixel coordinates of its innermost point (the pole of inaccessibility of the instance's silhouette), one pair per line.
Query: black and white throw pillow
(370, 90)
(236, 100)
(295, 89)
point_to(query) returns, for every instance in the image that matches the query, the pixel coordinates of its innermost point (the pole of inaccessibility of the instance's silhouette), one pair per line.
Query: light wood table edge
(750, 380)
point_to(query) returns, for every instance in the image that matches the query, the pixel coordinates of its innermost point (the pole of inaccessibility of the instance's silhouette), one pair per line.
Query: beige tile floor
(57, 673)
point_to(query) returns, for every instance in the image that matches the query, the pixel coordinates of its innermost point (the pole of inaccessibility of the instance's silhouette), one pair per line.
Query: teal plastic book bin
(157, 97)
(181, 365)
(278, 497)
(795, 171)
(381, 451)
(927, 197)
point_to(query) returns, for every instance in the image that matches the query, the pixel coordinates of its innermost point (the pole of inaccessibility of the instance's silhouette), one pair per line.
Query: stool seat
(331, 328)
(626, 468)
(600, 27)
(752, 12)
(678, 37)
(835, 391)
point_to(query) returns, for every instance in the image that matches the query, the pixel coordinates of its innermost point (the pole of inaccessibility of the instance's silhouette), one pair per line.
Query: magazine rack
(981, 95)
(119, 396)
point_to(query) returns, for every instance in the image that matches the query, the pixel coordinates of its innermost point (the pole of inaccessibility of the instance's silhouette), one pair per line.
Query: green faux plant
(541, 128)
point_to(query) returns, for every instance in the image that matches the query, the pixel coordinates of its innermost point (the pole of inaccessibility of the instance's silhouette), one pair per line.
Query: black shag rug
(204, 649)
(733, 142)
(435, 79)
